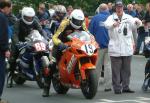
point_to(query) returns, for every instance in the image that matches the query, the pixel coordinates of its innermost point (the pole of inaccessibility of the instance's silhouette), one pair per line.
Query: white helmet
(76, 18)
(28, 14)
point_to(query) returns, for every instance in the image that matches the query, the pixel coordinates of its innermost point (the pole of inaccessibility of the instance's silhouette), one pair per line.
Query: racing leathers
(21, 30)
(60, 37)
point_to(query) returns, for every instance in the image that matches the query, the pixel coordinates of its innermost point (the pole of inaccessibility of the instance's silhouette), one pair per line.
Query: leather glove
(62, 46)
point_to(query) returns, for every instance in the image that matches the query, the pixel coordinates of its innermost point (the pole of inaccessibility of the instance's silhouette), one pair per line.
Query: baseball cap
(118, 3)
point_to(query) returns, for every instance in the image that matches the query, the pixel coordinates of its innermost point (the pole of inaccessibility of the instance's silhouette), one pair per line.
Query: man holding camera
(121, 47)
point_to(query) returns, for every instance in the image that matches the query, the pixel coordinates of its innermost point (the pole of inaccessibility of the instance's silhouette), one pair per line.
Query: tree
(87, 5)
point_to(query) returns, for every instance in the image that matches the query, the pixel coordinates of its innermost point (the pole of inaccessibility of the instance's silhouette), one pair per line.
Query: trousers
(121, 71)
(2, 73)
(104, 60)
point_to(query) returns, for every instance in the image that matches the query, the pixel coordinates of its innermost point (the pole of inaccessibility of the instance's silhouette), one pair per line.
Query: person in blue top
(5, 8)
(42, 14)
(100, 33)
(11, 21)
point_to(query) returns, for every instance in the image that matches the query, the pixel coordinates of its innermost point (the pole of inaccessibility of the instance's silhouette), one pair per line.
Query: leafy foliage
(87, 5)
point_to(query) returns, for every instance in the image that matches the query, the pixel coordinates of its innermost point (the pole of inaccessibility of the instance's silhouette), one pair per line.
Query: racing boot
(10, 74)
(46, 88)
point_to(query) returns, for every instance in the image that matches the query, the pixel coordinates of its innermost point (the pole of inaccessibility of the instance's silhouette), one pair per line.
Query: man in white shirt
(121, 47)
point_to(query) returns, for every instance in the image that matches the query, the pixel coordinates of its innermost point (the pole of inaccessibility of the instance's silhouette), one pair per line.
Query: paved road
(30, 93)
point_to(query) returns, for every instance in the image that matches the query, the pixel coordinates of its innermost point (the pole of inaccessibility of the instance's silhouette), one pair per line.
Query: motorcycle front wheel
(89, 86)
(18, 79)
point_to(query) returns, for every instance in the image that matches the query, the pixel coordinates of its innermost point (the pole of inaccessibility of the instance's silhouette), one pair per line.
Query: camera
(125, 31)
(116, 20)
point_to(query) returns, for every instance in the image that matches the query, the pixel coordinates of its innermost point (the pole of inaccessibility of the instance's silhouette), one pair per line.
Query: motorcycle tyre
(90, 85)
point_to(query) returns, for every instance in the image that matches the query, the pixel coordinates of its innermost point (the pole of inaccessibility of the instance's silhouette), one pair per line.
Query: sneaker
(127, 91)
(107, 90)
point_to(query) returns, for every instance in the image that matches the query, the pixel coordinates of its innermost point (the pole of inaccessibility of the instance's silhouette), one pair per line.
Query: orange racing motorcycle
(77, 66)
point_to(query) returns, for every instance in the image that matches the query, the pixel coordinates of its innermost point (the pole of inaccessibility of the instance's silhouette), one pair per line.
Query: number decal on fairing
(88, 48)
(40, 46)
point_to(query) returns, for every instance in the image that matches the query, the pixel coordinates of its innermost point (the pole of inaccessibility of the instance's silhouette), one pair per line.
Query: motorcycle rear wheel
(58, 87)
(89, 86)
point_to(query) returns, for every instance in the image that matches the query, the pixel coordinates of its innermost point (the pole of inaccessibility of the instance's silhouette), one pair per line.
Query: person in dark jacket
(5, 8)
(146, 19)
(43, 15)
(141, 30)
(130, 10)
(100, 33)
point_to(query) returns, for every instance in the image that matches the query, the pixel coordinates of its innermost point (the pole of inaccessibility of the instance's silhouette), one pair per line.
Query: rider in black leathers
(22, 29)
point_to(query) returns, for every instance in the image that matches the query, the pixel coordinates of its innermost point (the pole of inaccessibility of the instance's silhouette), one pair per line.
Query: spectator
(97, 10)
(19, 14)
(141, 31)
(120, 47)
(135, 6)
(11, 21)
(130, 10)
(86, 19)
(110, 7)
(43, 15)
(51, 10)
(146, 20)
(44, 19)
(69, 10)
(5, 8)
(97, 28)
